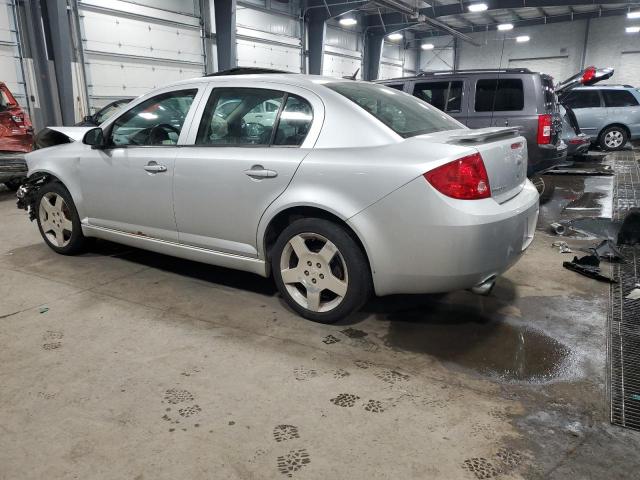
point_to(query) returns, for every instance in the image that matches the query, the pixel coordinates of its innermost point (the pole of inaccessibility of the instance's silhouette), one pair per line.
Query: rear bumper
(545, 157)
(419, 241)
(12, 165)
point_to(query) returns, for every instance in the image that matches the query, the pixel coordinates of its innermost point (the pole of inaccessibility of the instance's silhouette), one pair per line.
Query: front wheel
(320, 270)
(58, 219)
(613, 138)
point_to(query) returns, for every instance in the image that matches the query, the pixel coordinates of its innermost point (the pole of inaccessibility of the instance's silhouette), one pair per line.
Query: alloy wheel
(613, 139)
(314, 272)
(55, 219)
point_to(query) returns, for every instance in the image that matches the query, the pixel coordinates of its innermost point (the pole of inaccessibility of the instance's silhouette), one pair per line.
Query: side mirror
(88, 119)
(95, 138)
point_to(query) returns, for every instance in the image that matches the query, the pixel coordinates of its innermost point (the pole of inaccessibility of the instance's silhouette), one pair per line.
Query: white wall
(342, 52)
(130, 48)
(441, 57)
(268, 40)
(10, 69)
(555, 48)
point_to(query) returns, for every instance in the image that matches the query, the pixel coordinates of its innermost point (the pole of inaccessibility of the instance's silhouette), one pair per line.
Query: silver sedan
(337, 188)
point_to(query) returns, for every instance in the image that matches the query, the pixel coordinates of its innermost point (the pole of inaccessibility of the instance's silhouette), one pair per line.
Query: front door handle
(258, 171)
(153, 167)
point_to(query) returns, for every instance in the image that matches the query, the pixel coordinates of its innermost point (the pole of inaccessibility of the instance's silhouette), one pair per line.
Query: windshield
(402, 113)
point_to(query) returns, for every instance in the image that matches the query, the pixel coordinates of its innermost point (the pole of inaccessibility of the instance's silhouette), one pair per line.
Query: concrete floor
(125, 364)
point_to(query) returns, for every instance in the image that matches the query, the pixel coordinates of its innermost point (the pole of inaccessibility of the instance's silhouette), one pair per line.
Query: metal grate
(624, 314)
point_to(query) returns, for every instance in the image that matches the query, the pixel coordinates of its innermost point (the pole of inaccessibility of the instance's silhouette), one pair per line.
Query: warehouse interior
(123, 362)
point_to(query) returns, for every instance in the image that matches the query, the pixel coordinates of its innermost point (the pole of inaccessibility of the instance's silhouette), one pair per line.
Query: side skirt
(221, 259)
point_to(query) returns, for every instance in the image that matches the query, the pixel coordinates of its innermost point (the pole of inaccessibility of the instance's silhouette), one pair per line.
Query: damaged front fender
(27, 192)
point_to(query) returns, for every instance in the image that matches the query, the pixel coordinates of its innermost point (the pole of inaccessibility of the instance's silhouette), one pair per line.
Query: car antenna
(352, 77)
(495, 91)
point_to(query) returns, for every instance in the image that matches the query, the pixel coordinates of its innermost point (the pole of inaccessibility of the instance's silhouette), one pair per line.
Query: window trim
(188, 119)
(276, 122)
(497, 79)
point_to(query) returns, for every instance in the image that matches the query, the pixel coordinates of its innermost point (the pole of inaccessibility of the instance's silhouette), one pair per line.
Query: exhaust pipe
(485, 287)
(558, 228)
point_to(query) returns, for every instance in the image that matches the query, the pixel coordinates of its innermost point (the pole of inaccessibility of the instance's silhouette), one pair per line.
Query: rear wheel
(613, 138)
(545, 188)
(58, 220)
(320, 270)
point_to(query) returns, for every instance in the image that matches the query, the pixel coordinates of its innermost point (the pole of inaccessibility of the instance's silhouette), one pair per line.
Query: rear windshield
(402, 113)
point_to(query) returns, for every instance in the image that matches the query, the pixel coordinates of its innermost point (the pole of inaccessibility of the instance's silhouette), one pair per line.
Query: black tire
(13, 184)
(613, 130)
(545, 188)
(359, 283)
(76, 240)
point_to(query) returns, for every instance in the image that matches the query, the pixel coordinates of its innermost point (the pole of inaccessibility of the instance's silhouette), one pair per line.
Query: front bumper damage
(27, 193)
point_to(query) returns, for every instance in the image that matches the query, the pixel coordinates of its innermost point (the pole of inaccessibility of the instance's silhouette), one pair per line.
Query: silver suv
(609, 114)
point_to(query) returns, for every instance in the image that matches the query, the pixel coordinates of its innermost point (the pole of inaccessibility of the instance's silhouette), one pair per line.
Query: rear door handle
(153, 167)
(258, 171)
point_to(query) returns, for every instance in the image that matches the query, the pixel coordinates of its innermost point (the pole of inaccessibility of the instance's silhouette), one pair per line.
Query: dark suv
(485, 98)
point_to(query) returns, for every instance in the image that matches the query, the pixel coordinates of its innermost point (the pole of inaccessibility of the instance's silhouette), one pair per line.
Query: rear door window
(582, 99)
(619, 98)
(446, 96)
(499, 95)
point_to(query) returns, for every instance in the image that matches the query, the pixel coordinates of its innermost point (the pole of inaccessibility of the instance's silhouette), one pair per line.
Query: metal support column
(225, 17)
(316, 31)
(57, 26)
(372, 55)
(207, 20)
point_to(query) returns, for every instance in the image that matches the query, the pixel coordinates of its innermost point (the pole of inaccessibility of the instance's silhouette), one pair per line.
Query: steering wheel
(254, 130)
(156, 132)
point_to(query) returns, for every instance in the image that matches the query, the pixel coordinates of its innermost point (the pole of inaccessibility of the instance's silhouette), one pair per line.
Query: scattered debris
(634, 295)
(562, 246)
(589, 266)
(44, 309)
(558, 228)
(607, 250)
(629, 233)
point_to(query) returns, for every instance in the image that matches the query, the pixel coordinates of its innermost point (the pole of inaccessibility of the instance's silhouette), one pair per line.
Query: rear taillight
(588, 75)
(17, 118)
(464, 179)
(544, 129)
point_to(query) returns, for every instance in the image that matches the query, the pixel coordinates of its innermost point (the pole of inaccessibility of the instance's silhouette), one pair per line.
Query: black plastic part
(246, 71)
(607, 250)
(589, 266)
(629, 233)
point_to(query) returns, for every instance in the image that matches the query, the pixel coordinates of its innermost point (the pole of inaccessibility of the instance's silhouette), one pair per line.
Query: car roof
(310, 82)
(462, 73)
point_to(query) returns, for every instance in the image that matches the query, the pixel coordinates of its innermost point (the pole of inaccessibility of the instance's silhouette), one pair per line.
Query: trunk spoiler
(483, 134)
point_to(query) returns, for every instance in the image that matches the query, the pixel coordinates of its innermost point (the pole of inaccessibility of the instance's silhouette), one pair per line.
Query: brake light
(464, 179)
(588, 75)
(544, 129)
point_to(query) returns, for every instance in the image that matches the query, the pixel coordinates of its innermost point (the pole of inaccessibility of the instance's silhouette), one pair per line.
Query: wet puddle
(496, 349)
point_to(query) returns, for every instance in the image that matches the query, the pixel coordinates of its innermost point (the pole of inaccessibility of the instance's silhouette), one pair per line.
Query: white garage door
(558, 67)
(628, 71)
(130, 49)
(342, 53)
(10, 62)
(268, 40)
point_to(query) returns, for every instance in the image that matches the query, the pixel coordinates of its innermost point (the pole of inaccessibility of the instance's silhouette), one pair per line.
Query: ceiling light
(632, 29)
(635, 14)
(428, 46)
(348, 21)
(505, 26)
(523, 38)
(478, 7)
(395, 36)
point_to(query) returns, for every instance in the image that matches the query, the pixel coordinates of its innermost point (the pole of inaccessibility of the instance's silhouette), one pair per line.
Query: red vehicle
(16, 139)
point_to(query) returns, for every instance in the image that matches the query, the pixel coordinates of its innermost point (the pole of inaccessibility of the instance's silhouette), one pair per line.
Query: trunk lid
(503, 151)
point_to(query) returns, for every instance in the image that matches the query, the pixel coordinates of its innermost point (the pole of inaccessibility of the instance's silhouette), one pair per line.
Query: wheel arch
(49, 175)
(281, 219)
(615, 124)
